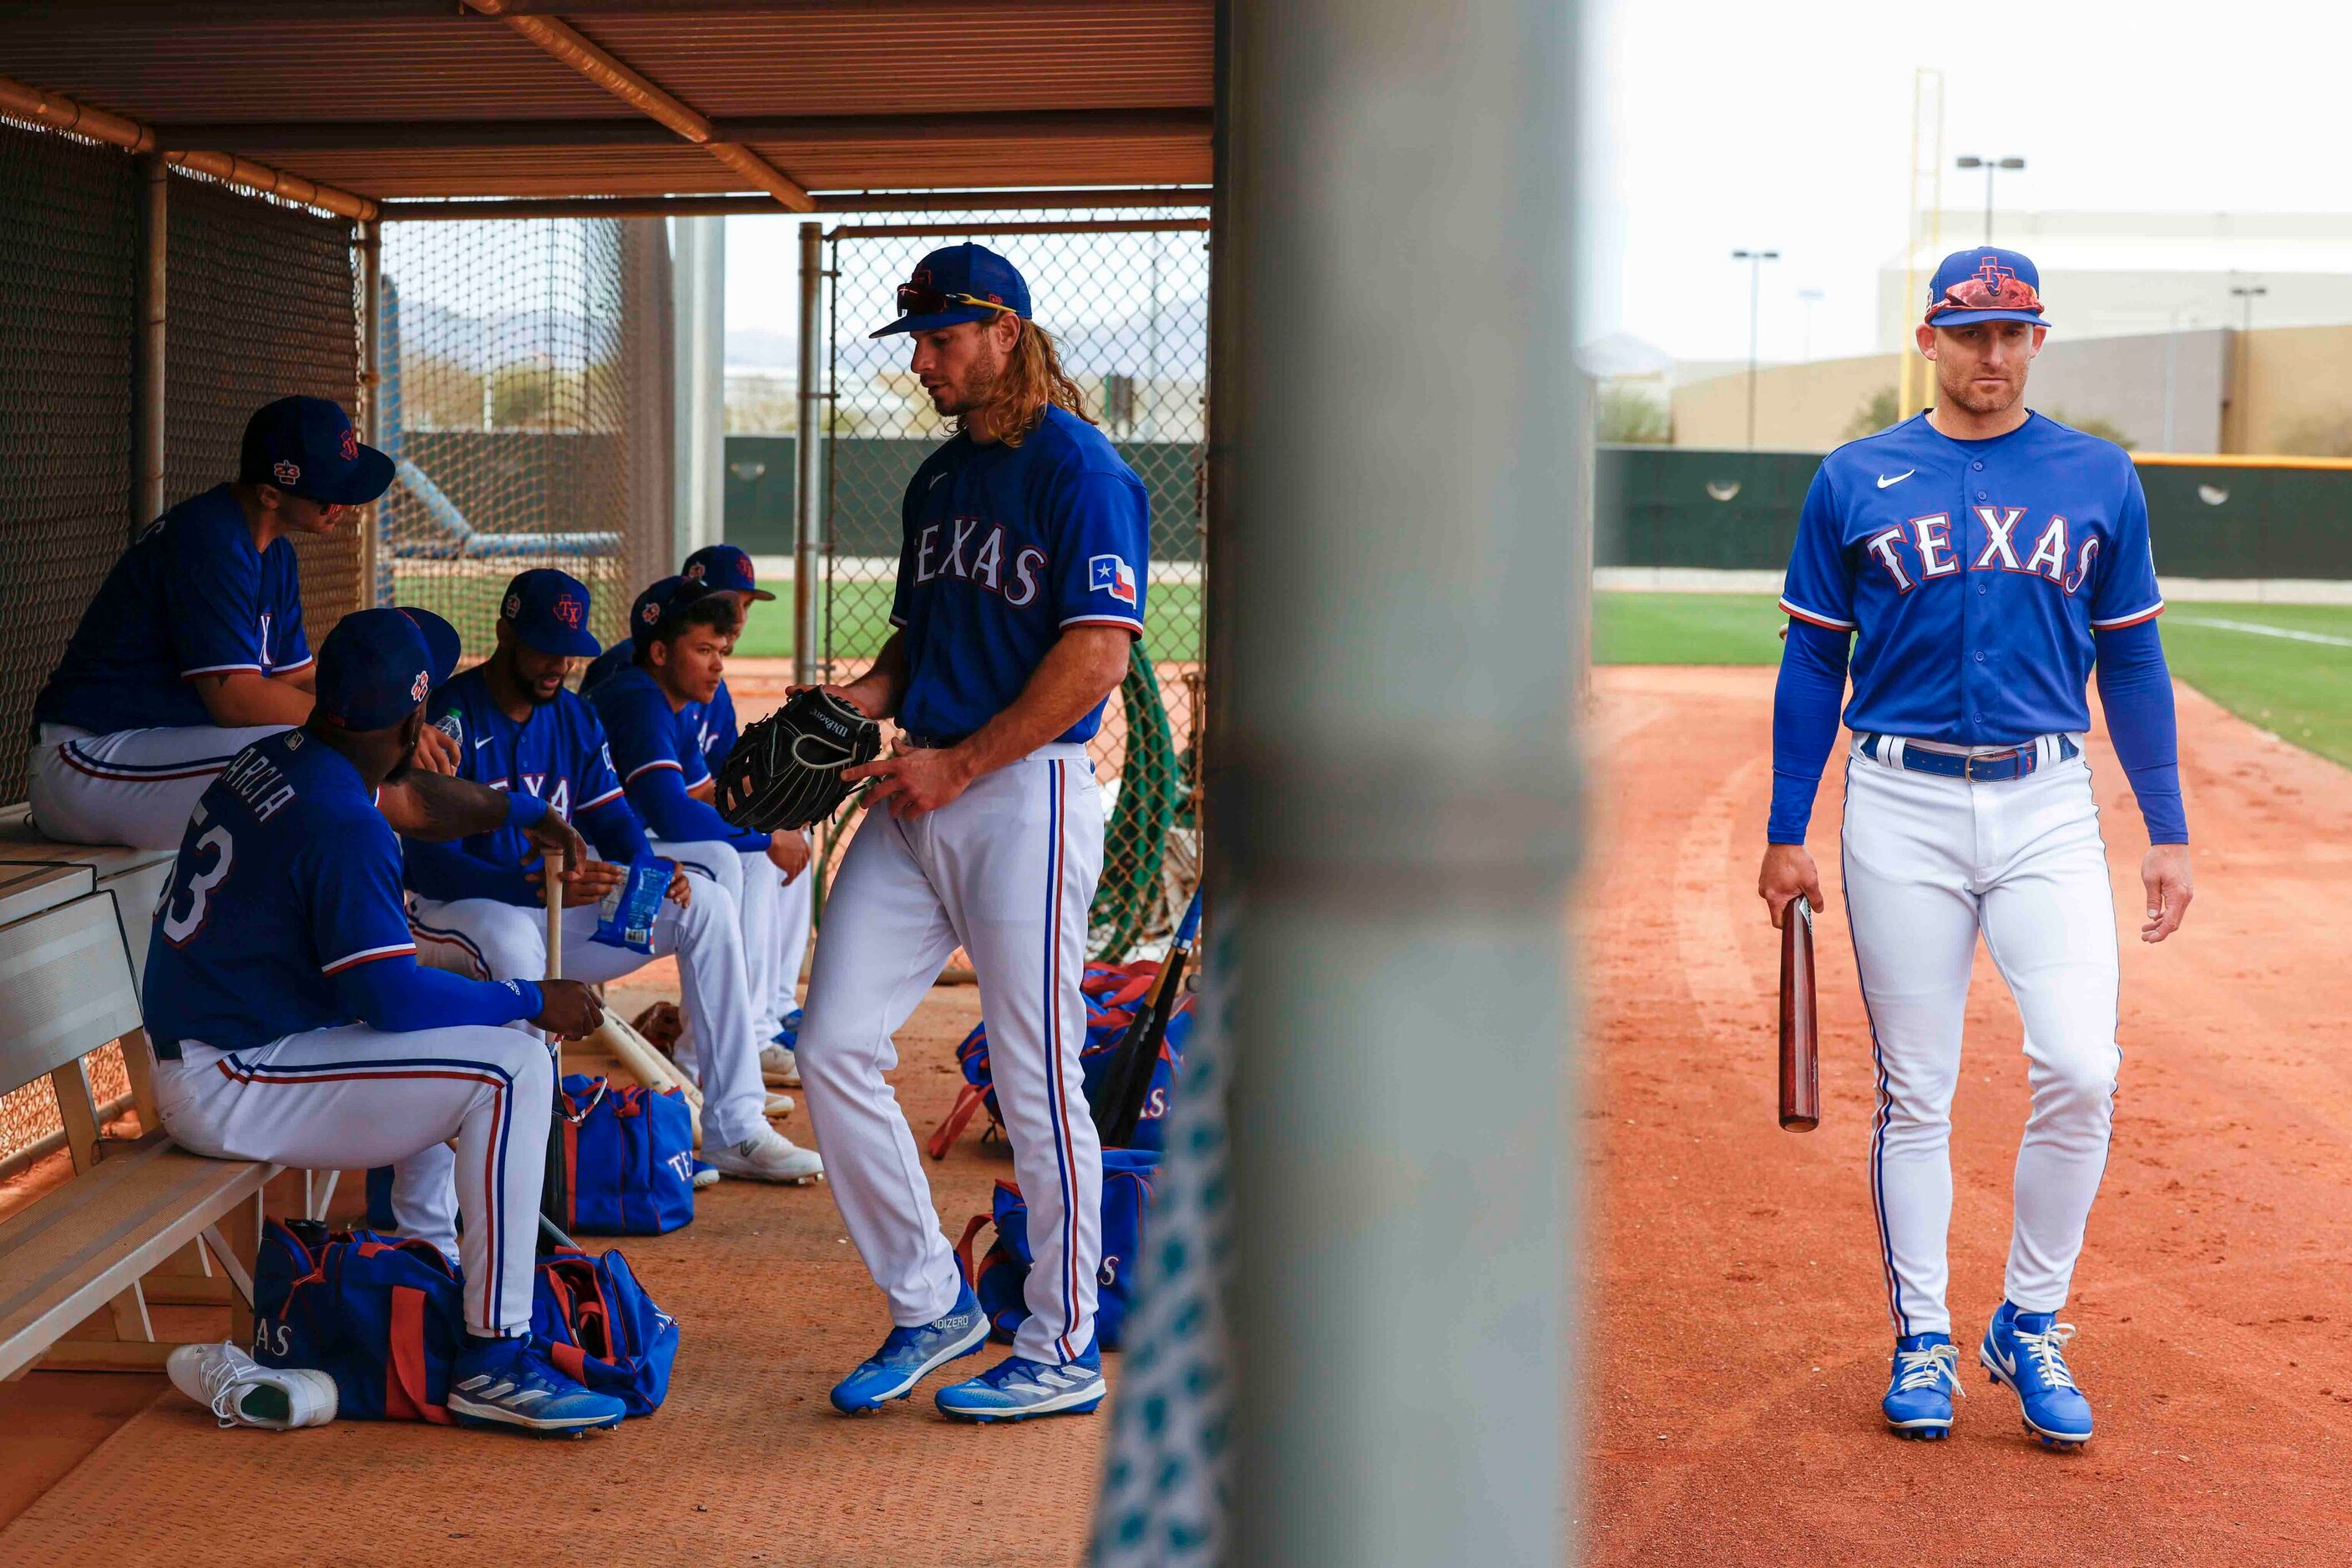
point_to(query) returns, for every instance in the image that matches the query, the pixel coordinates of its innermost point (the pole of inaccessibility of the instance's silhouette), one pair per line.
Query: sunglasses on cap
(1976, 293)
(921, 299)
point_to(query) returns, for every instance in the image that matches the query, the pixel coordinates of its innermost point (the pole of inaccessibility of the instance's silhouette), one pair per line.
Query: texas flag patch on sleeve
(1111, 574)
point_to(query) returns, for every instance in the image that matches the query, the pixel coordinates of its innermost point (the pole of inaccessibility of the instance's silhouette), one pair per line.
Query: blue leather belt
(935, 743)
(1983, 767)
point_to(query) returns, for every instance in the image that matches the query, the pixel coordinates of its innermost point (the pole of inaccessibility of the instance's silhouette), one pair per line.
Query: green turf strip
(2298, 686)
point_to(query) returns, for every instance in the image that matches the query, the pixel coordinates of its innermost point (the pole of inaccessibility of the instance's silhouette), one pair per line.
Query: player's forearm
(2136, 690)
(1079, 670)
(884, 685)
(435, 807)
(304, 679)
(613, 828)
(400, 995)
(1805, 705)
(245, 698)
(444, 873)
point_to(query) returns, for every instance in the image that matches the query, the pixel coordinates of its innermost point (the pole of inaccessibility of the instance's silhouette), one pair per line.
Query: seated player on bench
(726, 570)
(678, 635)
(478, 904)
(194, 647)
(292, 1023)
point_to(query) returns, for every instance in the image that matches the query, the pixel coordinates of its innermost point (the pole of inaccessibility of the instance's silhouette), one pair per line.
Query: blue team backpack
(628, 1158)
(1108, 1018)
(601, 1329)
(384, 1317)
(1002, 1274)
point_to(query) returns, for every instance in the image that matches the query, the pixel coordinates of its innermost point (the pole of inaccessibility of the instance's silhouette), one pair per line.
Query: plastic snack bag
(625, 917)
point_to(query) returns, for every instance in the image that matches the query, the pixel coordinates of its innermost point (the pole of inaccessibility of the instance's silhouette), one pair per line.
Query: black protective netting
(261, 302)
(1126, 302)
(516, 375)
(68, 249)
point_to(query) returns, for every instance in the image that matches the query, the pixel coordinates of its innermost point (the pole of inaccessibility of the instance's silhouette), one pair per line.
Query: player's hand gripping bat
(1801, 1035)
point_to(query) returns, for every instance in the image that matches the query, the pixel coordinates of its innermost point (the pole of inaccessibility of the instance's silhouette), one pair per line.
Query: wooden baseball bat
(554, 1194)
(648, 1066)
(1801, 1028)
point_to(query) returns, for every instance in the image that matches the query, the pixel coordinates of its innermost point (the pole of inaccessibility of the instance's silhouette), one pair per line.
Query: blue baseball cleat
(510, 1383)
(1016, 1388)
(1919, 1389)
(2027, 1352)
(892, 1372)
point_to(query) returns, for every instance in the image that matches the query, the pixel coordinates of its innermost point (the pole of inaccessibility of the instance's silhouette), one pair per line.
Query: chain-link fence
(519, 359)
(260, 302)
(1125, 300)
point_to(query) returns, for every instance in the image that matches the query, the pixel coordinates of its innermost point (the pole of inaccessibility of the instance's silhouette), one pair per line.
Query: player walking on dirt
(1983, 559)
(1020, 594)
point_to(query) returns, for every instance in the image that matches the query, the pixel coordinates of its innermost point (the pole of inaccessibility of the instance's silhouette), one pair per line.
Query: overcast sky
(1713, 125)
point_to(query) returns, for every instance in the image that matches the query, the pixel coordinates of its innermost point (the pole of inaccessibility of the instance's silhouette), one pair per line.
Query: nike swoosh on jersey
(935, 481)
(1884, 481)
(483, 742)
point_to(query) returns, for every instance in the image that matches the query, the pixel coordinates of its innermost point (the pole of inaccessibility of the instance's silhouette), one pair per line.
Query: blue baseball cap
(960, 283)
(1985, 285)
(724, 569)
(307, 446)
(549, 612)
(646, 611)
(375, 670)
(442, 644)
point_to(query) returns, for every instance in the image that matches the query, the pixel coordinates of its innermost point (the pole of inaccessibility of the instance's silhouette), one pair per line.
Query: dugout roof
(419, 98)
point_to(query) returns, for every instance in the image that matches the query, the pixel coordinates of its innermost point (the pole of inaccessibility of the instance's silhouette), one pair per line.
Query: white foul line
(2263, 631)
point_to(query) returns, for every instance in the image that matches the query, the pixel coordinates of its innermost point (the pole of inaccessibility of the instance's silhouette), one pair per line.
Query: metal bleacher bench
(71, 1262)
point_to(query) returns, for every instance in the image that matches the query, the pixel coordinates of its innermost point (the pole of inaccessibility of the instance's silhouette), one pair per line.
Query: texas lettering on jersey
(973, 551)
(1921, 548)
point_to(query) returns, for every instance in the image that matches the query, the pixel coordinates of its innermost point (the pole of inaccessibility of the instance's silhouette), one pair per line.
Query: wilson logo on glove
(785, 771)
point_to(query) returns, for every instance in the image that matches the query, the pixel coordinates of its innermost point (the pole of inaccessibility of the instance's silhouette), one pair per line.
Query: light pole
(1756, 260)
(1811, 297)
(2249, 293)
(1970, 160)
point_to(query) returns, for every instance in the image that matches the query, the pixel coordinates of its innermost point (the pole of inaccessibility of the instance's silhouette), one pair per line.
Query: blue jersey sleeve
(1819, 587)
(350, 876)
(1100, 526)
(600, 782)
(718, 729)
(901, 595)
(642, 732)
(1804, 725)
(2125, 592)
(287, 646)
(213, 601)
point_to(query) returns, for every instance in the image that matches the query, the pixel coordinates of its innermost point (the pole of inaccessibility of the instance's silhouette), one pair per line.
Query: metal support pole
(808, 501)
(147, 428)
(370, 239)
(1402, 835)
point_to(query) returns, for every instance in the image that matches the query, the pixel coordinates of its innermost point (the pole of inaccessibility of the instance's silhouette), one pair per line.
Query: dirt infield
(1735, 1309)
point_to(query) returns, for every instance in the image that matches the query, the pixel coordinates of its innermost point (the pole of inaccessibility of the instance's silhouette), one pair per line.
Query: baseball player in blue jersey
(195, 644)
(1982, 560)
(476, 905)
(1020, 593)
(679, 642)
(775, 933)
(293, 1024)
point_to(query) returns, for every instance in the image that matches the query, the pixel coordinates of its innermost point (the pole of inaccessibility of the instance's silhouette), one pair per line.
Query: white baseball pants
(492, 940)
(775, 922)
(1929, 863)
(133, 786)
(336, 1098)
(1008, 870)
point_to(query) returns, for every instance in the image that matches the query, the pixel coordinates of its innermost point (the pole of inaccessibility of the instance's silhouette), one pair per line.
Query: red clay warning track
(1735, 1310)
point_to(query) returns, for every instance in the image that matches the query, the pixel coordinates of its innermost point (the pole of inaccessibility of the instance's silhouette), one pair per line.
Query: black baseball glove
(786, 770)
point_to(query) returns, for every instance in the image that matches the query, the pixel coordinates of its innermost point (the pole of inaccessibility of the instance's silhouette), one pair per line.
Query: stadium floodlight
(1756, 260)
(1970, 160)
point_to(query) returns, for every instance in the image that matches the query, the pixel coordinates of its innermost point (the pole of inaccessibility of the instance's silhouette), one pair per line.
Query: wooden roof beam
(1043, 125)
(648, 98)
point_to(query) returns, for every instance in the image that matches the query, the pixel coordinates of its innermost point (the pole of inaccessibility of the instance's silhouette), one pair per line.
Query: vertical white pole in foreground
(1401, 816)
(700, 274)
(808, 452)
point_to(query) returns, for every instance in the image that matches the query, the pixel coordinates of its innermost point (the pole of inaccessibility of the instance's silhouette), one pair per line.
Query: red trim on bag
(569, 1360)
(963, 1247)
(405, 1384)
(968, 1101)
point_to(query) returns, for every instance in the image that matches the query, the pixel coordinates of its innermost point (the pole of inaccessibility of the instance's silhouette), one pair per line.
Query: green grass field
(2297, 685)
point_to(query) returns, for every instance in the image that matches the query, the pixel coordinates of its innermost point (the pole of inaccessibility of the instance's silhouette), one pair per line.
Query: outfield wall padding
(1674, 506)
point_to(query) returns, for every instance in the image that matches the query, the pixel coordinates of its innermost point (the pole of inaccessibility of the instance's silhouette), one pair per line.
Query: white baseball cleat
(241, 1392)
(768, 1157)
(778, 1105)
(780, 1066)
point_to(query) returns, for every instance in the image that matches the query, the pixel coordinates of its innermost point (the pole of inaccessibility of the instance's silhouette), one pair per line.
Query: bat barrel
(1801, 1088)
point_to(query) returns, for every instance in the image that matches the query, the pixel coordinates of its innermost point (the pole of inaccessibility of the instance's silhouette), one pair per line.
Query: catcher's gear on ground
(786, 770)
